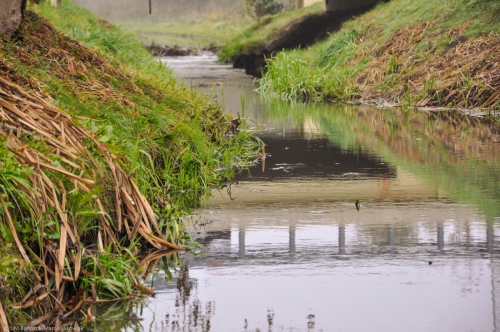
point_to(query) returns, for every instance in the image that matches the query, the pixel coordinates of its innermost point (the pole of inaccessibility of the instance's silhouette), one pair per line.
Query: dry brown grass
(25, 115)
(68, 159)
(465, 74)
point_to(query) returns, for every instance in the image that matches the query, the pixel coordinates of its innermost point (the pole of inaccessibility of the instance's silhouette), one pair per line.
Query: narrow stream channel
(292, 251)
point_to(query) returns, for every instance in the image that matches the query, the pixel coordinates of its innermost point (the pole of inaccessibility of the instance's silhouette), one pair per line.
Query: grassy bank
(102, 153)
(424, 53)
(254, 37)
(187, 23)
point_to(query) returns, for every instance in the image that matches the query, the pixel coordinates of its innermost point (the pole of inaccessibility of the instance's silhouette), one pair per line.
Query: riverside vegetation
(419, 53)
(102, 153)
(255, 36)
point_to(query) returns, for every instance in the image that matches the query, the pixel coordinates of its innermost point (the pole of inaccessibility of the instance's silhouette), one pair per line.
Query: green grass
(170, 139)
(300, 74)
(258, 33)
(163, 122)
(197, 33)
(336, 69)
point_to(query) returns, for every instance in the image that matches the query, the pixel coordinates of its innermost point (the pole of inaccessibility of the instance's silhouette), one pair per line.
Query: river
(359, 219)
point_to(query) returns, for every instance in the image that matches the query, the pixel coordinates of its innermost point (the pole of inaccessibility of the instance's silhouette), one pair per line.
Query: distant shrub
(260, 8)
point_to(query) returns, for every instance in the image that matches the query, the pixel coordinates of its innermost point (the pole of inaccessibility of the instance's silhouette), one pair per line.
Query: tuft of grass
(302, 74)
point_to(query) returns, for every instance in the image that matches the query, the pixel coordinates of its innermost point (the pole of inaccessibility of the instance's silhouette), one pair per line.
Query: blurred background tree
(259, 8)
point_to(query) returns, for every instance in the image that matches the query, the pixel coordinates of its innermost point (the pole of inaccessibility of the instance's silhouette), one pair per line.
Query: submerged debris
(234, 127)
(227, 183)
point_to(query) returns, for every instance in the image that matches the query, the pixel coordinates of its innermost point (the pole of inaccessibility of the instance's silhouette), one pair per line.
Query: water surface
(290, 250)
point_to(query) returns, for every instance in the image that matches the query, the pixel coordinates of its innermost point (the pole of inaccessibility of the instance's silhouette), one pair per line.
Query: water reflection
(293, 252)
(291, 242)
(191, 313)
(460, 158)
(252, 278)
(341, 239)
(241, 242)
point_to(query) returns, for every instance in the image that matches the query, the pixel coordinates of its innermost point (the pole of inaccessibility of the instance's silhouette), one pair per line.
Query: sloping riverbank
(102, 153)
(422, 53)
(289, 30)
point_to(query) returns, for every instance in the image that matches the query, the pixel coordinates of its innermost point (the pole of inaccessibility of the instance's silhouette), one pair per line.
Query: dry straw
(25, 115)
(465, 74)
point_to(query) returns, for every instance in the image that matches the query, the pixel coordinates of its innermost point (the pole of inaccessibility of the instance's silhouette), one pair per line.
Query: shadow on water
(359, 219)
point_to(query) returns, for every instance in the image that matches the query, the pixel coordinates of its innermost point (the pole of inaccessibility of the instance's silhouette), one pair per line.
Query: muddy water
(292, 251)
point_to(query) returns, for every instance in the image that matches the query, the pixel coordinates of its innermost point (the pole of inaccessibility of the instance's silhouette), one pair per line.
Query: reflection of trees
(452, 152)
(190, 313)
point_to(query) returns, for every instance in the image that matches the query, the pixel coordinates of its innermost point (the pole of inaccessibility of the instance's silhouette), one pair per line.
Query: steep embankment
(249, 46)
(285, 31)
(102, 152)
(424, 53)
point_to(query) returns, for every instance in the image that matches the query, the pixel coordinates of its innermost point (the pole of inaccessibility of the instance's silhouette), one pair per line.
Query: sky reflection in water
(292, 253)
